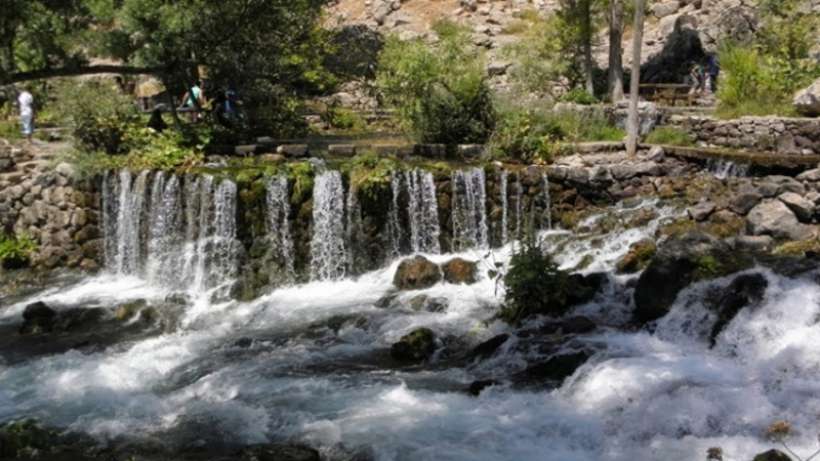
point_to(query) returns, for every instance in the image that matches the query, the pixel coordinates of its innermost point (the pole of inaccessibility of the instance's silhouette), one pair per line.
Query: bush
(750, 84)
(16, 251)
(344, 119)
(579, 96)
(98, 114)
(526, 135)
(535, 285)
(441, 91)
(587, 126)
(670, 136)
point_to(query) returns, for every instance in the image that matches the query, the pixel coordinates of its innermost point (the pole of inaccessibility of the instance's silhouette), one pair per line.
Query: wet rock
(773, 217)
(801, 207)
(424, 303)
(744, 290)
(477, 386)
(129, 310)
(416, 273)
(577, 325)
(280, 452)
(460, 271)
(38, 318)
(678, 263)
(414, 347)
(701, 211)
(744, 201)
(243, 343)
(583, 288)
(554, 370)
(488, 348)
(772, 455)
(73, 320)
(638, 257)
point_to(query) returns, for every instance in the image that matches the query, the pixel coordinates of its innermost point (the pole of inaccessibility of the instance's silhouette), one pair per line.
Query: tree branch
(76, 71)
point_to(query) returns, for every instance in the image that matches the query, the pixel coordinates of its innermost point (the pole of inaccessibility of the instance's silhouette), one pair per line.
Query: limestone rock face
(807, 101)
(416, 273)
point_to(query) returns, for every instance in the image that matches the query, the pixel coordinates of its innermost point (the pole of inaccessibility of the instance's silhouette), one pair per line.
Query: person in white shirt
(25, 101)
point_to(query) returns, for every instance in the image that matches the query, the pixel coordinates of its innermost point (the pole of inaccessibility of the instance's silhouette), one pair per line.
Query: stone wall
(50, 205)
(791, 136)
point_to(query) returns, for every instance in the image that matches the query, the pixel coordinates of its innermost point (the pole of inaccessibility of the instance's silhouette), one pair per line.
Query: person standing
(25, 102)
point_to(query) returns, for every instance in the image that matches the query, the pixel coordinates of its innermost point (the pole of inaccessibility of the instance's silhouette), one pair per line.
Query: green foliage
(98, 114)
(440, 91)
(16, 251)
(344, 119)
(760, 78)
(528, 135)
(10, 129)
(579, 96)
(540, 55)
(370, 173)
(670, 136)
(302, 175)
(587, 126)
(162, 151)
(535, 285)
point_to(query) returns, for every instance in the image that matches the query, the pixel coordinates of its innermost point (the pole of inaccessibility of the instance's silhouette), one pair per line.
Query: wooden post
(635, 80)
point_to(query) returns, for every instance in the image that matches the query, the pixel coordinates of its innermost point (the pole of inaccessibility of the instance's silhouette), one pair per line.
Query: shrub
(670, 136)
(16, 251)
(344, 119)
(526, 135)
(440, 91)
(369, 173)
(579, 96)
(750, 84)
(587, 126)
(535, 285)
(98, 114)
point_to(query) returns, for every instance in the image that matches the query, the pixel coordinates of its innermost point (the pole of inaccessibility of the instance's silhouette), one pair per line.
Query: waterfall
(547, 201)
(329, 254)
(129, 220)
(423, 209)
(519, 207)
(469, 209)
(173, 234)
(723, 169)
(278, 202)
(394, 227)
(503, 179)
(164, 238)
(353, 229)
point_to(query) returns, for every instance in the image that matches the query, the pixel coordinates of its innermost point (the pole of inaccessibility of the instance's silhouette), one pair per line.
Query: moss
(677, 228)
(302, 175)
(569, 219)
(798, 248)
(638, 257)
(707, 267)
(370, 173)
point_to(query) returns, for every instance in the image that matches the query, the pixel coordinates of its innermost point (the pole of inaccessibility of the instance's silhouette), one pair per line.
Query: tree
(579, 17)
(615, 78)
(634, 82)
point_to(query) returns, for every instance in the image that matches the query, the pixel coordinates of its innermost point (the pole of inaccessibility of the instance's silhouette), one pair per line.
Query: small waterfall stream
(469, 204)
(423, 209)
(723, 169)
(278, 213)
(329, 250)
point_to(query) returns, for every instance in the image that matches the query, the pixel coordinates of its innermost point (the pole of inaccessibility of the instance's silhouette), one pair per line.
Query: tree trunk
(616, 66)
(635, 79)
(586, 36)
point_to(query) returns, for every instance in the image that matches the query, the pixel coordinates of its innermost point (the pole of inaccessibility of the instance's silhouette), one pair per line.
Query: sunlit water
(643, 396)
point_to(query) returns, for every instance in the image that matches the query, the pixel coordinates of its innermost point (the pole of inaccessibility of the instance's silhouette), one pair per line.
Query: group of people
(703, 79)
(224, 106)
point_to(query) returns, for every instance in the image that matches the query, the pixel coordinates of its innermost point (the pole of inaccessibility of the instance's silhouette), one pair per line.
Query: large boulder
(807, 101)
(677, 264)
(414, 347)
(800, 206)
(416, 273)
(460, 271)
(773, 217)
(745, 290)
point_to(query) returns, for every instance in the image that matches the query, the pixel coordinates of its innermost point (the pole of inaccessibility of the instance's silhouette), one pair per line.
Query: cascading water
(547, 202)
(395, 232)
(423, 209)
(503, 179)
(723, 169)
(518, 202)
(329, 256)
(278, 212)
(180, 237)
(469, 209)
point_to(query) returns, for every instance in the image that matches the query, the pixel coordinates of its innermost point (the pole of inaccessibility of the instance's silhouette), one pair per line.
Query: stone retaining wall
(48, 204)
(791, 136)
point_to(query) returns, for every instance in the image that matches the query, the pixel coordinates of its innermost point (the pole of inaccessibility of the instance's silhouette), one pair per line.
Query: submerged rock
(477, 386)
(488, 348)
(772, 455)
(556, 369)
(414, 347)
(424, 303)
(743, 291)
(280, 452)
(416, 273)
(38, 318)
(460, 271)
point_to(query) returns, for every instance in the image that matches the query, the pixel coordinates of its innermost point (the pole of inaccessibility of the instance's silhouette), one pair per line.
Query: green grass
(670, 136)
(10, 129)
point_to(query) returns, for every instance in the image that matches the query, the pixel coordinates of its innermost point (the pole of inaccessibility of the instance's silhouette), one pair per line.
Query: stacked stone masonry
(788, 136)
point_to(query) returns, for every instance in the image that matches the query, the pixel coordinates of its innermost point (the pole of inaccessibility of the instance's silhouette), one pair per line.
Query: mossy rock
(638, 257)
(127, 311)
(416, 273)
(415, 347)
(798, 248)
(460, 271)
